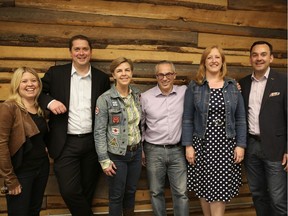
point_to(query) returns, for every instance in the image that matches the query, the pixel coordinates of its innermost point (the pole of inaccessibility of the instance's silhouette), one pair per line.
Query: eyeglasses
(167, 75)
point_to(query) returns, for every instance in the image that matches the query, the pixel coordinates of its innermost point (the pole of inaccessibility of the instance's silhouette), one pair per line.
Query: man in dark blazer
(265, 97)
(70, 92)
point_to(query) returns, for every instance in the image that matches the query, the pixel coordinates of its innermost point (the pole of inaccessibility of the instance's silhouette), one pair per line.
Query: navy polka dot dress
(215, 177)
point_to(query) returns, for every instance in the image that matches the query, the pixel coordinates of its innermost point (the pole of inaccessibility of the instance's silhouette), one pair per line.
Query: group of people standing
(197, 136)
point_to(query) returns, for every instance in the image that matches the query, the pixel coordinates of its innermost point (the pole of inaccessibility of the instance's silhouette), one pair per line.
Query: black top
(34, 157)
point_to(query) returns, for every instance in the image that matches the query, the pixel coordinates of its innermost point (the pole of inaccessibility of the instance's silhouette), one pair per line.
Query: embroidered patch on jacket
(97, 110)
(115, 131)
(114, 103)
(113, 142)
(116, 119)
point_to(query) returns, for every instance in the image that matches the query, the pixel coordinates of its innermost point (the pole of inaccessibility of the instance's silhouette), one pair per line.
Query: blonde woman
(24, 163)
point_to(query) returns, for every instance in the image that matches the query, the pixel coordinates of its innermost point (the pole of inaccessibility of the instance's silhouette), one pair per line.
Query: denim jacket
(111, 125)
(196, 107)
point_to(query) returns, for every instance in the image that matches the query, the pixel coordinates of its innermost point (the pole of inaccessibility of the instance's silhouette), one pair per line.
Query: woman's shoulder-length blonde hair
(201, 73)
(14, 88)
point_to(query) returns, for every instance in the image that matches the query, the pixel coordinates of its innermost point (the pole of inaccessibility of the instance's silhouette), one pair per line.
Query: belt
(81, 135)
(256, 137)
(134, 147)
(168, 146)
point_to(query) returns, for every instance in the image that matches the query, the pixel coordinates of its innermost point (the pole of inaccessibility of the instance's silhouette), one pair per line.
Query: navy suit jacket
(273, 114)
(56, 85)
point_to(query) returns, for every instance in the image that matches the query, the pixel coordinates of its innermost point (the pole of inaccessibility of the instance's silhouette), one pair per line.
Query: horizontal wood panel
(7, 3)
(229, 17)
(236, 42)
(40, 53)
(39, 16)
(37, 33)
(4, 91)
(11, 65)
(98, 54)
(260, 5)
(203, 4)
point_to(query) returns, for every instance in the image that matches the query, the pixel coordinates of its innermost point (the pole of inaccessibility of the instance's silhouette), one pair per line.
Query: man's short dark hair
(81, 37)
(262, 42)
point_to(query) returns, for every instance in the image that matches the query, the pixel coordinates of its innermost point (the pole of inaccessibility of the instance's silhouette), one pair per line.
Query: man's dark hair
(81, 37)
(262, 42)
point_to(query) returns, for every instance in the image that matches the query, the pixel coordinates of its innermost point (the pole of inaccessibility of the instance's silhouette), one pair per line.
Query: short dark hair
(81, 37)
(262, 42)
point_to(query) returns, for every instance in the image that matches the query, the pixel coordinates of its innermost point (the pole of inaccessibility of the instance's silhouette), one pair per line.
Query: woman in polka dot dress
(214, 133)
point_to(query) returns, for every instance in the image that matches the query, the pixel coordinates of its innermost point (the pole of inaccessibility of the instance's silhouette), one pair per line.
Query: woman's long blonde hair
(14, 88)
(201, 73)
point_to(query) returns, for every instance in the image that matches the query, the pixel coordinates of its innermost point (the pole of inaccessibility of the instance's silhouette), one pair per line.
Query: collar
(74, 71)
(158, 91)
(114, 93)
(226, 80)
(264, 77)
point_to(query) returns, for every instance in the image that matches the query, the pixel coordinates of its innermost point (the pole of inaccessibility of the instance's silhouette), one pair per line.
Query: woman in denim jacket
(117, 138)
(214, 133)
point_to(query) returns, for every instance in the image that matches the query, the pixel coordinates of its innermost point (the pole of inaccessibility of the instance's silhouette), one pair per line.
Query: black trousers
(33, 182)
(77, 170)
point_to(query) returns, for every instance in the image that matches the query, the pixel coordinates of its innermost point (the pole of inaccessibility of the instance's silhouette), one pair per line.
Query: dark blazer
(56, 85)
(273, 114)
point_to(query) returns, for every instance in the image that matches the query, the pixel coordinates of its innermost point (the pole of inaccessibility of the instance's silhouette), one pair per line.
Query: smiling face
(123, 74)
(29, 86)
(81, 53)
(165, 76)
(213, 62)
(260, 58)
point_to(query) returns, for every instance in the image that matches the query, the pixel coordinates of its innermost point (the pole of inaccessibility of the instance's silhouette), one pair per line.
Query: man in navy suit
(265, 97)
(70, 92)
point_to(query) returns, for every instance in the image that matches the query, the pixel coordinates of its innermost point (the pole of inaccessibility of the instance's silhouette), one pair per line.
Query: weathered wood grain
(39, 34)
(7, 3)
(259, 5)
(34, 15)
(4, 91)
(203, 4)
(41, 53)
(229, 17)
(235, 42)
(11, 65)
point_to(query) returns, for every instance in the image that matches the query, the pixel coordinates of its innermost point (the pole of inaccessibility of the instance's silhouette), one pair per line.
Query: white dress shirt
(80, 115)
(255, 101)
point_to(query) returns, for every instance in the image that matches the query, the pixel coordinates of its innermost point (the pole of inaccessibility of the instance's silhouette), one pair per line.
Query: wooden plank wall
(35, 33)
